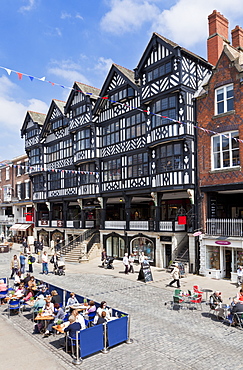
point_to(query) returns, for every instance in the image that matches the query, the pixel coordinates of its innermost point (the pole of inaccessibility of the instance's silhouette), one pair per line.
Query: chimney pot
(237, 37)
(218, 33)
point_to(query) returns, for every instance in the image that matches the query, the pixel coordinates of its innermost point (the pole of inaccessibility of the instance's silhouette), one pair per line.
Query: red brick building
(16, 206)
(220, 153)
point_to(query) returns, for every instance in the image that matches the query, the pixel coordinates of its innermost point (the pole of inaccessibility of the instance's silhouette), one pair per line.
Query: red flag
(20, 75)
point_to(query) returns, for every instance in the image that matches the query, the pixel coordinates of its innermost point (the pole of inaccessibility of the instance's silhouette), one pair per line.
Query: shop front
(116, 245)
(220, 258)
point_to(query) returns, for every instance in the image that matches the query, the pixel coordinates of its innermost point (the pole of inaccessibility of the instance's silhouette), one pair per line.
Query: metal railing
(75, 242)
(224, 227)
(95, 238)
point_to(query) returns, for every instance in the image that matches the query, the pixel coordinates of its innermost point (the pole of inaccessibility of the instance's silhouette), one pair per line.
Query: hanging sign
(222, 242)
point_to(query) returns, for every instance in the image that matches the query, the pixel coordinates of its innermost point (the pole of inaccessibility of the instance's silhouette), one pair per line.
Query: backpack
(32, 259)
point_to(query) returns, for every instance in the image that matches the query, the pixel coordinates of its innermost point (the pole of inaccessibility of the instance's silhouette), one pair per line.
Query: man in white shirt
(44, 263)
(239, 275)
(126, 262)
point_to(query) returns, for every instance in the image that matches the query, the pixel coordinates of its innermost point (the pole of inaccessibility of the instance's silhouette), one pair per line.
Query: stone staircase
(79, 255)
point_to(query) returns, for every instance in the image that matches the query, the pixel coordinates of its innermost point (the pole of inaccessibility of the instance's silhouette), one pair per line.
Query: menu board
(145, 273)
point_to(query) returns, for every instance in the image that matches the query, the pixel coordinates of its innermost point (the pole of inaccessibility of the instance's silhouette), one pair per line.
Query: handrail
(75, 242)
(95, 238)
(179, 246)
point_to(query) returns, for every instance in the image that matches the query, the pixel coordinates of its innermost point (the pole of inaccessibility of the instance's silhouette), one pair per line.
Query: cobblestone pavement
(162, 338)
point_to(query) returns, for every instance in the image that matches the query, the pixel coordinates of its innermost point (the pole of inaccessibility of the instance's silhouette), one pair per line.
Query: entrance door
(168, 254)
(228, 263)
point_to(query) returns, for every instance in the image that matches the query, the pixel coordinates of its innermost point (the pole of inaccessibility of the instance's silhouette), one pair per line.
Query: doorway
(228, 263)
(168, 254)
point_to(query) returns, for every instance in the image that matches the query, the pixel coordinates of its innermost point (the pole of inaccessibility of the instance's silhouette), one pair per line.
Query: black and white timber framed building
(105, 164)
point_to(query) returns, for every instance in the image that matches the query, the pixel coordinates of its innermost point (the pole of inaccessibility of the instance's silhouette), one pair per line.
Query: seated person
(32, 284)
(48, 309)
(3, 288)
(72, 328)
(240, 295)
(102, 308)
(79, 318)
(72, 300)
(39, 303)
(238, 308)
(17, 279)
(55, 297)
(29, 294)
(59, 316)
(44, 291)
(102, 318)
(20, 291)
(26, 279)
(91, 307)
(215, 300)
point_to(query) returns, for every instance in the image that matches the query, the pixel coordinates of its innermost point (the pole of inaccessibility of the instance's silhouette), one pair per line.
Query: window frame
(225, 100)
(231, 149)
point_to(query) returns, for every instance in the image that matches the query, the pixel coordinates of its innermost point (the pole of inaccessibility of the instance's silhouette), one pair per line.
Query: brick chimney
(218, 33)
(237, 37)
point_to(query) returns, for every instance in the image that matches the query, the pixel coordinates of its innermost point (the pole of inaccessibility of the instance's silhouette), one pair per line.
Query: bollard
(129, 340)
(77, 360)
(105, 349)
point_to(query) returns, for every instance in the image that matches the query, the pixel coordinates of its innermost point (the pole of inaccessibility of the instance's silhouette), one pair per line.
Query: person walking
(239, 275)
(36, 246)
(31, 260)
(2, 236)
(125, 262)
(45, 263)
(22, 259)
(103, 257)
(15, 266)
(131, 262)
(175, 275)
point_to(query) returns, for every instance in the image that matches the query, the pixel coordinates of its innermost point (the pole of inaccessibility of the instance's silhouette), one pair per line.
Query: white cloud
(27, 8)
(12, 112)
(65, 15)
(128, 15)
(78, 16)
(186, 22)
(103, 65)
(68, 70)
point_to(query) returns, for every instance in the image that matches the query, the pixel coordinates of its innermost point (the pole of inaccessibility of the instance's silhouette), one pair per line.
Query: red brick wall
(224, 74)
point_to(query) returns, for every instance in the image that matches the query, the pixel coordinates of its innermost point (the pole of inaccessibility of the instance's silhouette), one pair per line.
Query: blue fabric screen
(91, 340)
(117, 331)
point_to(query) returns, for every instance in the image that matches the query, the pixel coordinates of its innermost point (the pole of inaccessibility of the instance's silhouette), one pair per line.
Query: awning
(15, 227)
(20, 227)
(24, 227)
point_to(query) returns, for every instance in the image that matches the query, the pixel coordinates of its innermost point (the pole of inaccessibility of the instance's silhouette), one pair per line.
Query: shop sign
(222, 242)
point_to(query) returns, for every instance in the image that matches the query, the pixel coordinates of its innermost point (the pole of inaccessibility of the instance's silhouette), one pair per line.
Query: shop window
(238, 259)
(145, 245)
(115, 247)
(213, 258)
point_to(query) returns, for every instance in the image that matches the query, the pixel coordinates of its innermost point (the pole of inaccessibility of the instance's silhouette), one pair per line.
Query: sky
(78, 40)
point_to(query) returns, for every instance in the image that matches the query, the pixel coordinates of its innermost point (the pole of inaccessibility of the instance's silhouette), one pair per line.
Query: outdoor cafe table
(79, 307)
(207, 291)
(44, 318)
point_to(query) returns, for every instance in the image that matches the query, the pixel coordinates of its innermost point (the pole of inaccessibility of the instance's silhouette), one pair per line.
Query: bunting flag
(41, 169)
(43, 79)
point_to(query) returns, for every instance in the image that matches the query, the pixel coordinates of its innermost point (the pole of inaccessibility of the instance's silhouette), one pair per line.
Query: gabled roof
(236, 58)
(172, 46)
(36, 117)
(59, 104)
(127, 74)
(93, 92)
